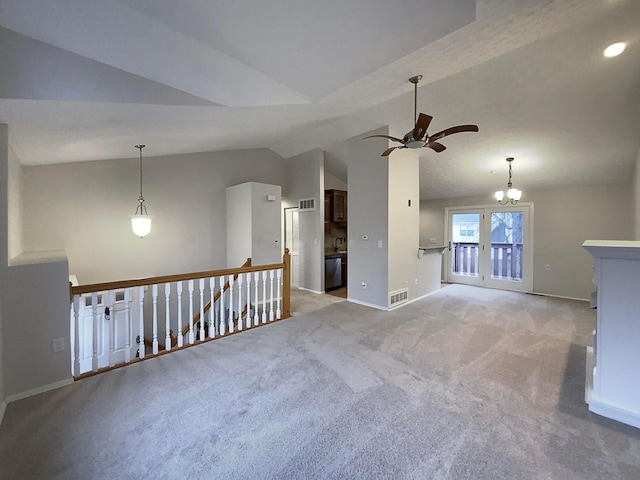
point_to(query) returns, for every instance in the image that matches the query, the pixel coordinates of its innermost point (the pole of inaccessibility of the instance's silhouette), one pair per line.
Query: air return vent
(398, 297)
(306, 204)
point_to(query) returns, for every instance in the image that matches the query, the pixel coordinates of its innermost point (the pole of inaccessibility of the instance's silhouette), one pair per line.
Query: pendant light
(141, 221)
(513, 194)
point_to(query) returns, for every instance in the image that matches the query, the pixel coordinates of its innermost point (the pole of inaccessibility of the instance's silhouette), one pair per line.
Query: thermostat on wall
(271, 198)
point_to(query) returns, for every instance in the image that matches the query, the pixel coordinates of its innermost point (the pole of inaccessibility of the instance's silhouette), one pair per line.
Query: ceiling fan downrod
(415, 79)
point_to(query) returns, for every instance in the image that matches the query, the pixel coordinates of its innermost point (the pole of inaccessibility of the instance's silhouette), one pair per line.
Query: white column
(112, 330)
(127, 325)
(201, 285)
(248, 322)
(256, 299)
(141, 346)
(271, 312)
(167, 316)
(231, 319)
(223, 317)
(76, 340)
(94, 313)
(154, 297)
(212, 310)
(264, 296)
(192, 338)
(240, 301)
(179, 292)
(279, 295)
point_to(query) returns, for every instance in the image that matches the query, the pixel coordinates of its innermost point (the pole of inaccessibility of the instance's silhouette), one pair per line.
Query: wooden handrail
(99, 287)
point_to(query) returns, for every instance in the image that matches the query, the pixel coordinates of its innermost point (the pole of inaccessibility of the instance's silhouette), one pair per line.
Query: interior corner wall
(331, 182)
(83, 208)
(635, 188)
(563, 220)
(306, 180)
(34, 300)
(368, 214)
(4, 167)
(404, 223)
(14, 205)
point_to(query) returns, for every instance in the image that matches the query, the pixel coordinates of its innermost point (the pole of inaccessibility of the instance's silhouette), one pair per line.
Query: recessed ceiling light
(614, 49)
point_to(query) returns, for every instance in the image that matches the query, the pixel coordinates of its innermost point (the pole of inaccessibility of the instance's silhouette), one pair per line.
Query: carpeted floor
(467, 383)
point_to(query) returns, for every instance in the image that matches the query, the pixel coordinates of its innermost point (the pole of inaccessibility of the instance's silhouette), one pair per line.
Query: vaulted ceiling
(89, 79)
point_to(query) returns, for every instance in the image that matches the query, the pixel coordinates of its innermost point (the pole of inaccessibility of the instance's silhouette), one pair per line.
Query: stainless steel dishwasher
(332, 273)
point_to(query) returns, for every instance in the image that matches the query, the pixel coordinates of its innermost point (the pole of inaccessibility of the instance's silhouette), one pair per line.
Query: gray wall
(368, 215)
(306, 180)
(563, 220)
(635, 188)
(83, 208)
(14, 205)
(34, 301)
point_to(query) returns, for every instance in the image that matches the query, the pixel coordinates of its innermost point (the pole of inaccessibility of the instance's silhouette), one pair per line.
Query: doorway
(490, 246)
(292, 242)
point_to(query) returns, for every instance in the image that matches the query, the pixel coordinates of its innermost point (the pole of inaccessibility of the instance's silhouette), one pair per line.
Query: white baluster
(279, 295)
(128, 325)
(256, 300)
(231, 282)
(248, 323)
(240, 301)
(264, 296)
(141, 347)
(76, 331)
(112, 330)
(167, 316)
(212, 310)
(223, 319)
(201, 285)
(271, 312)
(180, 336)
(154, 297)
(94, 313)
(192, 338)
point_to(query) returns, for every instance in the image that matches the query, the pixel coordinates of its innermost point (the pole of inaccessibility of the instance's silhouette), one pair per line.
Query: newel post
(286, 284)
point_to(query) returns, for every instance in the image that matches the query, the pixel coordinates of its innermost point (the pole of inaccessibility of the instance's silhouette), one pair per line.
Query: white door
(465, 239)
(114, 339)
(491, 246)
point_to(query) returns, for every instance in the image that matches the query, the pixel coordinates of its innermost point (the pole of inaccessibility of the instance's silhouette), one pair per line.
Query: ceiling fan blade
(384, 136)
(452, 130)
(388, 151)
(438, 147)
(422, 124)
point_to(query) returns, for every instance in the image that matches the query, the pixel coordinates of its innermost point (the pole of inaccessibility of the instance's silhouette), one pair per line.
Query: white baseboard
(38, 390)
(558, 296)
(378, 307)
(615, 413)
(309, 290)
(3, 407)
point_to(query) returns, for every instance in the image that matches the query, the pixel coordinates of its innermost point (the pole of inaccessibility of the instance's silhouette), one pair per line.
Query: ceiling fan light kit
(418, 137)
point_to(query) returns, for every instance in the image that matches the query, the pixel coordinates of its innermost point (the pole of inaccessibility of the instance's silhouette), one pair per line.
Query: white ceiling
(89, 79)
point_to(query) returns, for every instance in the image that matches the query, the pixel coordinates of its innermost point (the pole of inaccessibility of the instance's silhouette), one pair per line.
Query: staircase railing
(109, 320)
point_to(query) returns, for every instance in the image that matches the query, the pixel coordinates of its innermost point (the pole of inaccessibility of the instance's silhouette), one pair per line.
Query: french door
(490, 246)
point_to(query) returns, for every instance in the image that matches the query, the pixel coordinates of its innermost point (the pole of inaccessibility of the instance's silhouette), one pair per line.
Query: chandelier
(141, 221)
(513, 194)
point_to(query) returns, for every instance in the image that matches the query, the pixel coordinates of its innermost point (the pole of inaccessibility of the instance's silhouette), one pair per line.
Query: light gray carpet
(467, 383)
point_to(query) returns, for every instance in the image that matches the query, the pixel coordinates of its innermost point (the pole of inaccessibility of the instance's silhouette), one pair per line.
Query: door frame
(484, 278)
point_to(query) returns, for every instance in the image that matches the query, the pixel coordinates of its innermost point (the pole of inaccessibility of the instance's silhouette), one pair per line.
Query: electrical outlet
(58, 345)
(547, 267)
(364, 285)
(416, 281)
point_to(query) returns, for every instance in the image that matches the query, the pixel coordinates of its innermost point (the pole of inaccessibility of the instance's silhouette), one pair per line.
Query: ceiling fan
(418, 137)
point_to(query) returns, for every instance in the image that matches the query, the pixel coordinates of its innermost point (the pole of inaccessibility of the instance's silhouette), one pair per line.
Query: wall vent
(398, 297)
(306, 204)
